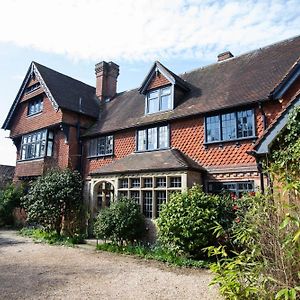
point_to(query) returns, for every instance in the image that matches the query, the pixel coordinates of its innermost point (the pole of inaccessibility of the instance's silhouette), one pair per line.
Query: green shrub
(186, 221)
(54, 201)
(122, 221)
(9, 199)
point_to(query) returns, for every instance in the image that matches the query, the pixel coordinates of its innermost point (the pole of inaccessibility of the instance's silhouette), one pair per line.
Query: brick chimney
(224, 55)
(106, 79)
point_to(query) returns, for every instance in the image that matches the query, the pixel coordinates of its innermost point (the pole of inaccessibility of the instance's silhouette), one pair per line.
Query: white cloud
(143, 29)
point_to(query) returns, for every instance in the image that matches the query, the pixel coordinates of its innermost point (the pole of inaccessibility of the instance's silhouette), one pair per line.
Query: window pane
(153, 94)
(161, 198)
(135, 182)
(49, 148)
(213, 129)
(161, 182)
(165, 102)
(135, 195)
(148, 182)
(166, 91)
(153, 105)
(175, 182)
(147, 204)
(228, 126)
(245, 123)
(141, 140)
(163, 137)
(152, 138)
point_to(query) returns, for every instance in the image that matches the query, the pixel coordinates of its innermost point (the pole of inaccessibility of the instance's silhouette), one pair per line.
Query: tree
(54, 200)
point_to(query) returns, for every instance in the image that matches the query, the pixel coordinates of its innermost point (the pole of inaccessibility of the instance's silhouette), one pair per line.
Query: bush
(186, 221)
(9, 199)
(54, 201)
(122, 221)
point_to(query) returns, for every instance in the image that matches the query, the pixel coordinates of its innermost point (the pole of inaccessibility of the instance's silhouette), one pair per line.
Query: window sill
(233, 140)
(31, 159)
(160, 149)
(100, 156)
(158, 112)
(35, 114)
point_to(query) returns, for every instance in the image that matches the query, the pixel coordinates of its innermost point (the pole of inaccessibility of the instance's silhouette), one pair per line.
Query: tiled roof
(68, 91)
(152, 161)
(238, 81)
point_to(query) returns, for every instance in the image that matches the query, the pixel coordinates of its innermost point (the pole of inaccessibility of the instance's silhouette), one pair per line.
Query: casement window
(37, 144)
(35, 106)
(175, 182)
(147, 204)
(123, 183)
(161, 198)
(148, 183)
(153, 138)
(161, 182)
(230, 126)
(237, 188)
(159, 100)
(123, 194)
(135, 195)
(101, 146)
(135, 183)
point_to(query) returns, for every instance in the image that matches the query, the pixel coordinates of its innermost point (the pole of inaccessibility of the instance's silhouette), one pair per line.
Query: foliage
(54, 201)
(122, 221)
(156, 253)
(9, 199)
(186, 221)
(261, 259)
(51, 237)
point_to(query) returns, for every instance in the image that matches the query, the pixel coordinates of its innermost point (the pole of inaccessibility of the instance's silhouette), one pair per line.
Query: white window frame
(94, 143)
(160, 92)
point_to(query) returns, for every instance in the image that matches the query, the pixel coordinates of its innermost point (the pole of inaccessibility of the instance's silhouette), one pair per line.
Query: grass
(50, 237)
(155, 253)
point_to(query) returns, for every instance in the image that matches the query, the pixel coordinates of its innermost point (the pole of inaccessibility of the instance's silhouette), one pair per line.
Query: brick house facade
(201, 127)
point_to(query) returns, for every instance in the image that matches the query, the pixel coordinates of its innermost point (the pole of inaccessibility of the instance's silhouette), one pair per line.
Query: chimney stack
(106, 79)
(224, 55)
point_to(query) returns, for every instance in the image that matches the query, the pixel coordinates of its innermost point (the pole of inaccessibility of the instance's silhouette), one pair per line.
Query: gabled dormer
(162, 89)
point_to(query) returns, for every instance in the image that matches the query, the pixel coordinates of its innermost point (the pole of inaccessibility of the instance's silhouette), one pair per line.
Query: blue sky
(70, 36)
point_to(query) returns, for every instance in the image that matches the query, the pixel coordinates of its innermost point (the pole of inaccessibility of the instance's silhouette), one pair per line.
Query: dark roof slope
(68, 91)
(150, 161)
(237, 81)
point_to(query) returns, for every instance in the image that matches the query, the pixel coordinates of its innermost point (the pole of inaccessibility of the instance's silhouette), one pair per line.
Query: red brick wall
(158, 81)
(124, 144)
(23, 123)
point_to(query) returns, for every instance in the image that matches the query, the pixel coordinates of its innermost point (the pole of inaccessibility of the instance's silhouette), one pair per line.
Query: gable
(157, 81)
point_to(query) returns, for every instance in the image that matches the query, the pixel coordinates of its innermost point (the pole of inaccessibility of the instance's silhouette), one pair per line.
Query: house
(6, 175)
(208, 126)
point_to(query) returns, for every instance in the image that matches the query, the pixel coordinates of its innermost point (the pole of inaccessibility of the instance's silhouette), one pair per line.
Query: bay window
(153, 138)
(37, 144)
(229, 126)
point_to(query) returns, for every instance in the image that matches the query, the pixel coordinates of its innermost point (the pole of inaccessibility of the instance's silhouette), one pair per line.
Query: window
(135, 182)
(123, 183)
(161, 182)
(123, 194)
(161, 198)
(147, 204)
(153, 138)
(237, 188)
(35, 106)
(37, 144)
(175, 182)
(230, 126)
(159, 100)
(148, 182)
(32, 88)
(101, 146)
(135, 195)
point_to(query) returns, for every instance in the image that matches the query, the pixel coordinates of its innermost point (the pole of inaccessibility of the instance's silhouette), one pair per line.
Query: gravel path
(31, 270)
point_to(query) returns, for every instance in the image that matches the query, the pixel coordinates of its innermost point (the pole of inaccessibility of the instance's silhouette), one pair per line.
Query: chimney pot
(224, 56)
(106, 79)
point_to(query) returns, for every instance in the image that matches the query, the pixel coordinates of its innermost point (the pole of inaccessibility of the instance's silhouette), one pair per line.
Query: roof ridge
(62, 74)
(240, 55)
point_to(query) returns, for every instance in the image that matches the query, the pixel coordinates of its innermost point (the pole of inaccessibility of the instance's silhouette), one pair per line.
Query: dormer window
(35, 106)
(159, 100)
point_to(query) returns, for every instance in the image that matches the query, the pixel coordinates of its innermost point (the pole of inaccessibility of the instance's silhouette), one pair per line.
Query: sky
(71, 36)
